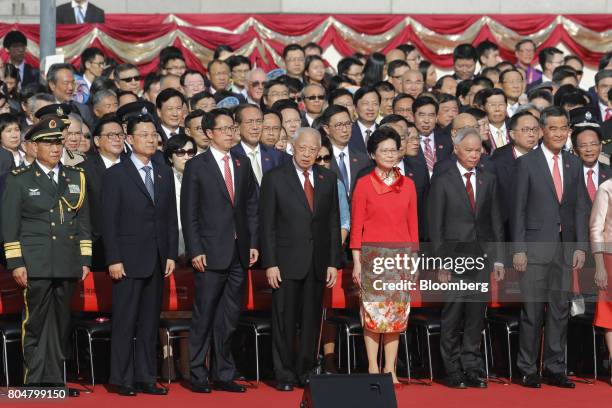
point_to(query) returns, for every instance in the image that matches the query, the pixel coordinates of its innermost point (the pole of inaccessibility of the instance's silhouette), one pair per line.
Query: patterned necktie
(557, 177)
(227, 175)
(470, 190)
(368, 134)
(591, 185)
(255, 166)
(51, 175)
(430, 157)
(608, 114)
(309, 191)
(149, 181)
(80, 15)
(343, 171)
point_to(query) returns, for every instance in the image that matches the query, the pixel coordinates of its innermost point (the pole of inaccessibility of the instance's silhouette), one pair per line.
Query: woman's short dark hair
(176, 143)
(380, 135)
(7, 119)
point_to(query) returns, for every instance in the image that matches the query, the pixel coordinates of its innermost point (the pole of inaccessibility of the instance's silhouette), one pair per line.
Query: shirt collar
(502, 128)
(300, 171)
(82, 5)
(139, 165)
(548, 154)
(338, 150)
(169, 131)
(46, 170)
(463, 170)
(217, 154)
(595, 169)
(248, 149)
(107, 162)
(363, 128)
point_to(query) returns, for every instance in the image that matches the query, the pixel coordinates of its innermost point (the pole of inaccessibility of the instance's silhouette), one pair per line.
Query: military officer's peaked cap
(48, 129)
(134, 109)
(61, 110)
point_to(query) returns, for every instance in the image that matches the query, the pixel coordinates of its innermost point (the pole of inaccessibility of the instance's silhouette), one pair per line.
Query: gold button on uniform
(53, 237)
(53, 224)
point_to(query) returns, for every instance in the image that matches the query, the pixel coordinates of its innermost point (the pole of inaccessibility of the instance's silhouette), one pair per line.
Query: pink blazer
(601, 219)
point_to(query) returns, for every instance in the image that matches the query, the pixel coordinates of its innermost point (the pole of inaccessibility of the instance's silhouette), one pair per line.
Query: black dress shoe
(284, 386)
(151, 389)
(229, 386)
(531, 381)
(73, 392)
(456, 381)
(475, 379)
(127, 391)
(559, 380)
(239, 377)
(202, 388)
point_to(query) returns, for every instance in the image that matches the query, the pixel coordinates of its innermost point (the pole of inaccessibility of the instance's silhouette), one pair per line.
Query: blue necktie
(149, 181)
(343, 171)
(80, 16)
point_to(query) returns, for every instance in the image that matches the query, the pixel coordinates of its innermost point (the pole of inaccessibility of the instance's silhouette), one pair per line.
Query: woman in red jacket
(383, 225)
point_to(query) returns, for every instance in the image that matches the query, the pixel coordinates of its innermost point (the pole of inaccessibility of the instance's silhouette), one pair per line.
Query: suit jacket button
(53, 237)
(53, 224)
(71, 237)
(51, 210)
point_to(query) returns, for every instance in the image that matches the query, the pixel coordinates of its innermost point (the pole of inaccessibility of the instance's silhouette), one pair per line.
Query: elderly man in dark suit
(219, 220)
(108, 137)
(464, 219)
(300, 243)
(549, 227)
(249, 119)
(79, 12)
(140, 234)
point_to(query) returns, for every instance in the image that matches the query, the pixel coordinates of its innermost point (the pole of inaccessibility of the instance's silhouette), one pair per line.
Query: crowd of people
(297, 171)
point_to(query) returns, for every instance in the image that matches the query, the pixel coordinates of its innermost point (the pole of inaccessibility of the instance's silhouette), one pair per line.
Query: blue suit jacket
(270, 157)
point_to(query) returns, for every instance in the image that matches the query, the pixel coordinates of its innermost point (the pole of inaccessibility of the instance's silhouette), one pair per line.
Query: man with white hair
(72, 139)
(465, 223)
(255, 85)
(301, 251)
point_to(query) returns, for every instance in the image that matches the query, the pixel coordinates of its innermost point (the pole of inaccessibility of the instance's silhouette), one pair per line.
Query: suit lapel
(481, 187)
(546, 171)
(460, 187)
(216, 173)
(237, 176)
(603, 173)
(266, 159)
(319, 179)
(294, 182)
(567, 168)
(135, 175)
(62, 182)
(43, 180)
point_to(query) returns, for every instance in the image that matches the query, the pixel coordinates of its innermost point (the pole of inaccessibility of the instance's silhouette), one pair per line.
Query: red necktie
(591, 185)
(430, 157)
(309, 191)
(557, 177)
(470, 190)
(228, 178)
(608, 114)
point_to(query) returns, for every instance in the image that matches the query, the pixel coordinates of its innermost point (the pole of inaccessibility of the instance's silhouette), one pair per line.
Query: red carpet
(415, 395)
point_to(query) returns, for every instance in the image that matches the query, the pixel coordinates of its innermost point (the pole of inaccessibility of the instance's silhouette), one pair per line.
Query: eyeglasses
(253, 122)
(315, 97)
(74, 134)
(292, 121)
(388, 152)
(586, 145)
(226, 129)
(282, 95)
(114, 136)
(557, 129)
(304, 149)
(324, 159)
(526, 130)
(131, 79)
(341, 125)
(183, 152)
(257, 84)
(148, 135)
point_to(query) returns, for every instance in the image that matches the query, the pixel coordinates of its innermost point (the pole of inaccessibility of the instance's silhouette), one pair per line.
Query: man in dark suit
(250, 123)
(313, 96)
(219, 220)
(301, 251)
(7, 163)
(524, 132)
(170, 104)
(549, 59)
(464, 220)
(367, 105)
(549, 229)
(16, 44)
(60, 79)
(79, 12)
(434, 145)
(140, 235)
(603, 84)
(108, 137)
(347, 162)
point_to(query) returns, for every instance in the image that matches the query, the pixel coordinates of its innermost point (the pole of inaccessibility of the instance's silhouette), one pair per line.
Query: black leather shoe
(73, 392)
(239, 377)
(127, 391)
(284, 386)
(456, 381)
(202, 388)
(559, 380)
(229, 386)
(151, 389)
(531, 381)
(475, 379)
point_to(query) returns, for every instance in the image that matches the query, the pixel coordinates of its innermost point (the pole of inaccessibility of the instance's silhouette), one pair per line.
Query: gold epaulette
(74, 168)
(21, 170)
(607, 141)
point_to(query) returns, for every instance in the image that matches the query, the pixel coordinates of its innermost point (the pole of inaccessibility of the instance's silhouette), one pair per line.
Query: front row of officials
(45, 225)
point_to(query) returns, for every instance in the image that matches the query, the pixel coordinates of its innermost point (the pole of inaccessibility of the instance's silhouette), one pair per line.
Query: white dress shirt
(602, 110)
(46, 170)
(595, 169)
(21, 68)
(502, 139)
(400, 166)
(178, 178)
(511, 109)
(463, 171)
(83, 6)
(169, 131)
(140, 167)
(363, 129)
(347, 160)
(300, 174)
(18, 157)
(218, 156)
(308, 119)
(108, 163)
(549, 160)
(248, 150)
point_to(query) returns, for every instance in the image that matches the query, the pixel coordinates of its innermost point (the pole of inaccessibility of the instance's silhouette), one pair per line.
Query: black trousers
(296, 303)
(216, 309)
(545, 292)
(46, 329)
(462, 322)
(136, 310)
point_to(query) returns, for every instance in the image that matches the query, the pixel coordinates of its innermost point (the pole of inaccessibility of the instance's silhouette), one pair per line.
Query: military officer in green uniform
(45, 225)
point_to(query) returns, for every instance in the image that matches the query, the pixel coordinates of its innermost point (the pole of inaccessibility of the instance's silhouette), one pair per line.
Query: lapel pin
(567, 166)
(603, 176)
(266, 158)
(440, 146)
(320, 177)
(480, 182)
(410, 174)
(159, 176)
(354, 160)
(237, 163)
(63, 174)
(67, 179)
(37, 174)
